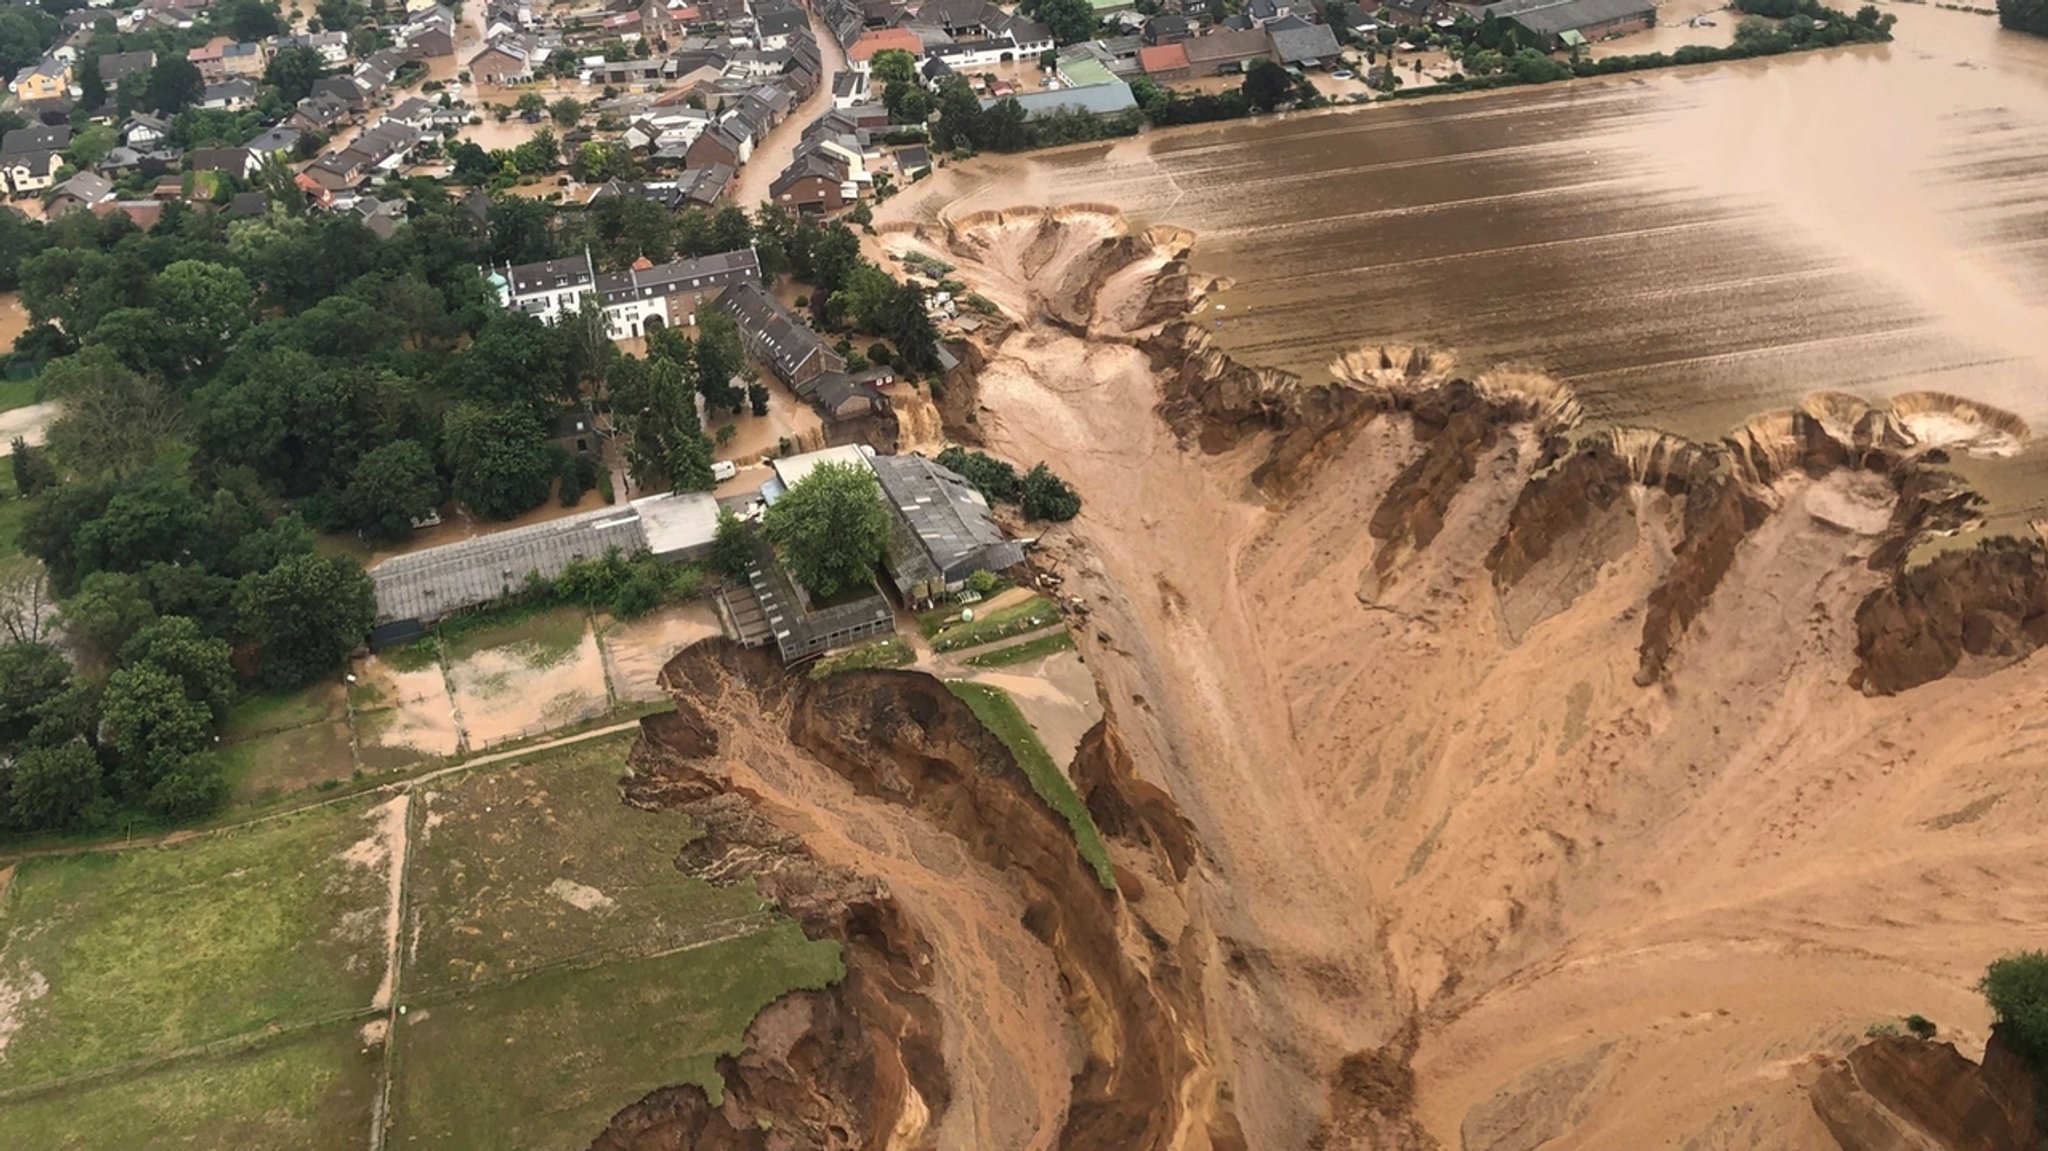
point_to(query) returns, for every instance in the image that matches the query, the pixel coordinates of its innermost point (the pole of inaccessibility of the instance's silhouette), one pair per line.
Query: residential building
(637, 300)
(860, 54)
(232, 95)
(1113, 98)
(239, 162)
(83, 191)
(1224, 52)
(1167, 62)
(48, 79)
(118, 66)
(1300, 44)
(246, 60)
(1166, 28)
(794, 352)
(508, 59)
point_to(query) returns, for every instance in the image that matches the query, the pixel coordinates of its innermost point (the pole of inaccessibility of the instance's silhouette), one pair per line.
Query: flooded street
(1686, 248)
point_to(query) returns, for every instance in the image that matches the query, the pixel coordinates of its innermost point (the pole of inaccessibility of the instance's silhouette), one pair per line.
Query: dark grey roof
(944, 531)
(786, 342)
(114, 66)
(35, 138)
(1308, 42)
(1555, 17)
(427, 585)
(678, 275)
(567, 272)
(1095, 99)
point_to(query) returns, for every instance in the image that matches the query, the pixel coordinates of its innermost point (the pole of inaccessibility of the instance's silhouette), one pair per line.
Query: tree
(31, 675)
(1070, 21)
(305, 615)
(25, 601)
(108, 609)
(908, 324)
(959, 122)
(55, 787)
(599, 161)
(757, 398)
(2016, 987)
(1266, 84)
(2024, 16)
(247, 20)
(499, 460)
(730, 551)
(1047, 497)
(92, 87)
(293, 72)
(32, 468)
(865, 300)
(566, 111)
(340, 15)
(893, 66)
(531, 105)
(201, 663)
(390, 488)
(25, 34)
(720, 356)
(997, 481)
(91, 145)
(730, 229)
(151, 724)
(830, 528)
(207, 307)
(174, 85)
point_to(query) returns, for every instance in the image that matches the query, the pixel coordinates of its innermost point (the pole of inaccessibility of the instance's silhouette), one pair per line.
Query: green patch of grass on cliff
(544, 1062)
(890, 652)
(949, 633)
(1030, 649)
(998, 712)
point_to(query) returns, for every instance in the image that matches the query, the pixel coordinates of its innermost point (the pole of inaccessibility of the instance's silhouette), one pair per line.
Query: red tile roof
(902, 39)
(1163, 58)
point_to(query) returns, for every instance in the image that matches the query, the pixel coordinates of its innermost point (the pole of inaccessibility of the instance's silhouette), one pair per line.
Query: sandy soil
(407, 713)
(1566, 901)
(1008, 1044)
(13, 318)
(635, 651)
(1056, 693)
(501, 694)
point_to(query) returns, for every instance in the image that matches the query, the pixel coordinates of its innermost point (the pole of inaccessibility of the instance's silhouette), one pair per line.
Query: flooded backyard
(1686, 248)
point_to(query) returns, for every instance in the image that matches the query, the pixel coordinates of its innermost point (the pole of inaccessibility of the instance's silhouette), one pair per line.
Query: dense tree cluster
(2024, 16)
(964, 125)
(1040, 494)
(2016, 987)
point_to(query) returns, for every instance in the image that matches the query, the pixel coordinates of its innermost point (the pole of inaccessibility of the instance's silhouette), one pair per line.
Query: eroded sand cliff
(1475, 778)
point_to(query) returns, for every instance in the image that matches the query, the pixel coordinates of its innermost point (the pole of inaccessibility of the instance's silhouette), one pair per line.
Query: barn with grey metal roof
(942, 531)
(440, 581)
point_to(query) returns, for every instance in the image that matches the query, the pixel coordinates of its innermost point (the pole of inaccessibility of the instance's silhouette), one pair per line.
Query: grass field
(269, 712)
(543, 635)
(1030, 649)
(998, 712)
(540, 863)
(1004, 623)
(147, 952)
(542, 1063)
(890, 652)
(17, 393)
(313, 1093)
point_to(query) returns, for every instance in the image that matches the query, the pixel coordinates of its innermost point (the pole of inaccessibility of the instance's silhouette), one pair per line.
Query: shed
(436, 582)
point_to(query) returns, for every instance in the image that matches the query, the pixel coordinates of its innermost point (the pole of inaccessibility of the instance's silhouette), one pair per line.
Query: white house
(636, 301)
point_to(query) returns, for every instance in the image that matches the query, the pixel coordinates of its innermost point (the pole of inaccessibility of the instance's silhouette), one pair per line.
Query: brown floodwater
(1686, 248)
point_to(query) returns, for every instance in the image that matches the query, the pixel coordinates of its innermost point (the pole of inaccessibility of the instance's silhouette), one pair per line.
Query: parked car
(723, 470)
(1341, 74)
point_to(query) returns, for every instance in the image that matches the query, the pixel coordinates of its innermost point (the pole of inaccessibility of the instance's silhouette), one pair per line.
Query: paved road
(774, 153)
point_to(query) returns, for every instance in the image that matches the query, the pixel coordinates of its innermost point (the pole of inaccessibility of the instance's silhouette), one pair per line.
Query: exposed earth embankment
(1548, 782)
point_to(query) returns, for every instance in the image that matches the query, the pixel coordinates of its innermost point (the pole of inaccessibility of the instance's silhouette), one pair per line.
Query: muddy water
(1686, 248)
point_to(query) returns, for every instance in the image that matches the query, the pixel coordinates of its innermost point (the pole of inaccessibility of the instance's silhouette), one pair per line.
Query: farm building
(434, 583)
(941, 532)
(1553, 22)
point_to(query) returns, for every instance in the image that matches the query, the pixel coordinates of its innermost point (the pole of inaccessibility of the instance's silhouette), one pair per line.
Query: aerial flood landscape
(936, 576)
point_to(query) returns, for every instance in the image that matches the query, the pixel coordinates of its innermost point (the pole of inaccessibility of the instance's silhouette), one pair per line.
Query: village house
(794, 352)
(1297, 43)
(1225, 52)
(508, 59)
(118, 66)
(429, 34)
(1556, 24)
(1167, 62)
(238, 162)
(232, 95)
(48, 79)
(83, 191)
(636, 301)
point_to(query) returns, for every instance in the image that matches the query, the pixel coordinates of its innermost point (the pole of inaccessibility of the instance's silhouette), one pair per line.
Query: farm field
(463, 946)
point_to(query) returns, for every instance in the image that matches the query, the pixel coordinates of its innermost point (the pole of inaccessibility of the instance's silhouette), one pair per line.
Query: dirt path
(31, 423)
(772, 155)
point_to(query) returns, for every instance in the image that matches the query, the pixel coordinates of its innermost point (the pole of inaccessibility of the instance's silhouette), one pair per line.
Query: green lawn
(143, 953)
(546, 636)
(313, 1093)
(1030, 649)
(890, 652)
(265, 767)
(998, 712)
(265, 713)
(542, 1063)
(17, 393)
(540, 863)
(1015, 620)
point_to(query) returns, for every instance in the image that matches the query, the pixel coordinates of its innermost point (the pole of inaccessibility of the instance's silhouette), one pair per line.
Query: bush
(640, 594)
(996, 480)
(1048, 497)
(983, 582)
(2016, 987)
(1921, 1026)
(730, 551)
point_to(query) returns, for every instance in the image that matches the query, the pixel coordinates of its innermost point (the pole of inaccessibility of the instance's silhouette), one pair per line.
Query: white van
(723, 470)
